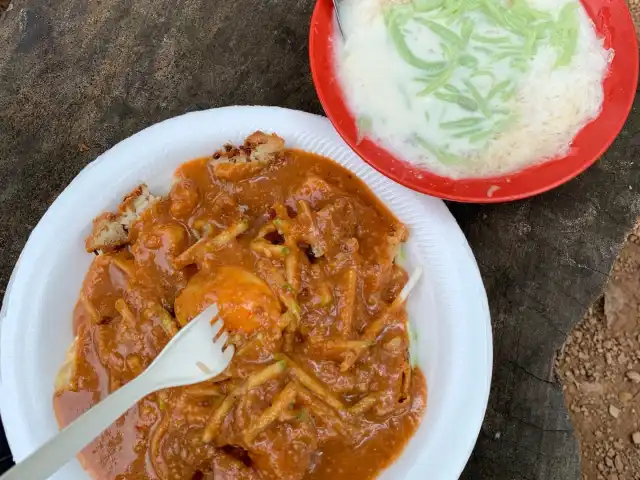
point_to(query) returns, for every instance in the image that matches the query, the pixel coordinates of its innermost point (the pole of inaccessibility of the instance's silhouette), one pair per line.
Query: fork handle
(45, 461)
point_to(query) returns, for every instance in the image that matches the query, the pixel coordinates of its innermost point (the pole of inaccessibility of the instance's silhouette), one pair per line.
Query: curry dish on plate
(302, 261)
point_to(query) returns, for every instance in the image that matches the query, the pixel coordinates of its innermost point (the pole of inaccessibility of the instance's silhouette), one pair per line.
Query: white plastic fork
(194, 355)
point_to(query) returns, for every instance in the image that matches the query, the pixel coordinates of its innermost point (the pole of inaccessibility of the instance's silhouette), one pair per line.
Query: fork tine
(211, 311)
(222, 339)
(216, 327)
(227, 353)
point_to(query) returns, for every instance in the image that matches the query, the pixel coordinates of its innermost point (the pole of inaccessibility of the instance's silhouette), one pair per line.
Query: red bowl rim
(587, 147)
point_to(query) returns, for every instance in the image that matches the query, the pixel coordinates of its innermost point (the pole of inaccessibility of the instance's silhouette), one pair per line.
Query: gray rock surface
(77, 76)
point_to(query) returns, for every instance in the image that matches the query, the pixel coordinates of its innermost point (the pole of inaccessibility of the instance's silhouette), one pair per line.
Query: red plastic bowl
(613, 22)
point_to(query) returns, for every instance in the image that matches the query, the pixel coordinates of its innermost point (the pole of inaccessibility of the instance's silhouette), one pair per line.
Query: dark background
(5, 454)
(76, 73)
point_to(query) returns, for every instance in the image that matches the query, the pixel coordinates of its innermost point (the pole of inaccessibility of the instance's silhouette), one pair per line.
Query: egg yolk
(245, 302)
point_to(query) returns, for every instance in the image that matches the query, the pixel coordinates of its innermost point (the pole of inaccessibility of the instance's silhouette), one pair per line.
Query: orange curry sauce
(306, 287)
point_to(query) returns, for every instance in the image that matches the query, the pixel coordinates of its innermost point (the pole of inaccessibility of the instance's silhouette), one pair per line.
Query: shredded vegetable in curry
(300, 258)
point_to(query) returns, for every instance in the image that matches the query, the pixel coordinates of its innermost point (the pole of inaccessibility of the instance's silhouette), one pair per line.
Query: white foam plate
(448, 309)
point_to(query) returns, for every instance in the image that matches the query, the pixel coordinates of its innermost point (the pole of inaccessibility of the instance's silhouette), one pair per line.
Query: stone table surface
(77, 76)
